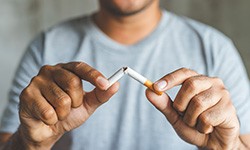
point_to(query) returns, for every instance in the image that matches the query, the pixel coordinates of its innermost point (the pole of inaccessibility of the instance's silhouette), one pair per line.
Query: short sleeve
(230, 68)
(28, 68)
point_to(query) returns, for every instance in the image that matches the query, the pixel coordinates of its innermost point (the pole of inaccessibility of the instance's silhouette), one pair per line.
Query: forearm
(18, 141)
(15, 142)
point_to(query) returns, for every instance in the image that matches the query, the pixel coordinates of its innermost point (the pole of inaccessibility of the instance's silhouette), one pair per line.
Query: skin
(122, 27)
(202, 113)
(54, 101)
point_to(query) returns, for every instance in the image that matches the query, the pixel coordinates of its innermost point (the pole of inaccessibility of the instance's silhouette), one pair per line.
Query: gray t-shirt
(128, 121)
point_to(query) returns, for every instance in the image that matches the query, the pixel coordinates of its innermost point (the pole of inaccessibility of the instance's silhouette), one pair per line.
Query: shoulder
(188, 27)
(63, 41)
(202, 41)
(68, 29)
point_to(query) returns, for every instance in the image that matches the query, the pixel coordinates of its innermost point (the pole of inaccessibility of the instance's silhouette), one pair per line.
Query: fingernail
(160, 85)
(102, 82)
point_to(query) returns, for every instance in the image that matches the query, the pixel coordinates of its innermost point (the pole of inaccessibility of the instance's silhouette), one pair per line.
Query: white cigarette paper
(126, 70)
(116, 76)
(135, 75)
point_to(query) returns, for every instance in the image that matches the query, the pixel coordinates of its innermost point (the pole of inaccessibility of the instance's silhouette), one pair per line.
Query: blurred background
(22, 20)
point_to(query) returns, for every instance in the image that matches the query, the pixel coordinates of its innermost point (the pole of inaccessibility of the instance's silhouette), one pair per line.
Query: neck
(129, 30)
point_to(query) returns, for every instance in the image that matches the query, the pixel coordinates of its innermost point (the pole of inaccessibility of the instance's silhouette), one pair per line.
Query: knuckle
(62, 114)
(204, 118)
(26, 93)
(198, 102)
(47, 114)
(191, 84)
(79, 65)
(229, 105)
(202, 130)
(219, 81)
(67, 128)
(64, 101)
(171, 77)
(93, 73)
(74, 83)
(226, 93)
(24, 102)
(187, 71)
(59, 65)
(183, 69)
(36, 80)
(178, 107)
(45, 68)
(61, 98)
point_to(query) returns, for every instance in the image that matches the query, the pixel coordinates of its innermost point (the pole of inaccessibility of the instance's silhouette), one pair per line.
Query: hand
(54, 102)
(202, 112)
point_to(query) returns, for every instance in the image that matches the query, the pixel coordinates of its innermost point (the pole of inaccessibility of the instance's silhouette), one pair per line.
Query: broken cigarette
(116, 76)
(126, 70)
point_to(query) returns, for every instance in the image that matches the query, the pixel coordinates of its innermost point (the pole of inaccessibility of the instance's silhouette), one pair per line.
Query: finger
(57, 98)
(191, 87)
(97, 97)
(164, 104)
(219, 115)
(173, 79)
(34, 105)
(201, 103)
(70, 84)
(86, 72)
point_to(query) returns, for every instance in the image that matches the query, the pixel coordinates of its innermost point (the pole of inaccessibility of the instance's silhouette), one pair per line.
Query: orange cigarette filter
(141, 79)
(149, 84)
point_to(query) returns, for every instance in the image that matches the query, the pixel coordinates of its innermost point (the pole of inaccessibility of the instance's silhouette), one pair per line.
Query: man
(210, 107)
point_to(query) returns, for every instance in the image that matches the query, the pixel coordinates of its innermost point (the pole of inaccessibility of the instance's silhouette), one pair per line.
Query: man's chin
(122, 12)
(125, 13)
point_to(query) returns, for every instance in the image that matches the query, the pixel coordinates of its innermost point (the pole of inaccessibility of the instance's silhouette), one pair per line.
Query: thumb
(165, 105)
